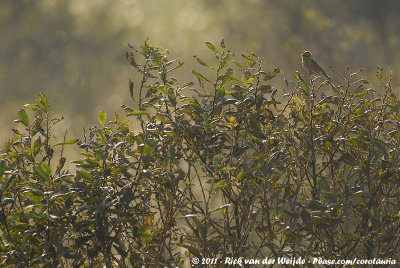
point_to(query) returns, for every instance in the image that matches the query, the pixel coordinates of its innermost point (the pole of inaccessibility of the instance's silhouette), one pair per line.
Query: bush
(229, 167)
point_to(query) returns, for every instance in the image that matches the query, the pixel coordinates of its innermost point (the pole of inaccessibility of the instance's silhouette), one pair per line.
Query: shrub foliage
(228, 166)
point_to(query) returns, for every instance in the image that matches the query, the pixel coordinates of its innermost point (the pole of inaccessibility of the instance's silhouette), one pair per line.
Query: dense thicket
(228, 166)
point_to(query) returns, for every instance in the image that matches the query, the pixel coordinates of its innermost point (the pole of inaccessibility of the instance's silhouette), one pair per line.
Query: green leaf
(156, 58)
(220, 93)
(3, 166)
(116, 116)
(201, 61)
(200, 76)
(149, 147)
(331, 196)
(381, 146)
(304, 86)
(297, 99)
(219, 185)
(224, 61)
(305, 89)
(44, 105)
(171, 96)
(298, 76)
(6, 184)
(73, 141)
(102, 117)
(43, 171)
(265, 88)
(84, 174)
(216, 159)
(323, 184)
(136, 113)
(250, 62)
(145, 233)
(272, 74)
(348, 159)
(31, 106)
(316, 205)
(23, 117)
(212, 47)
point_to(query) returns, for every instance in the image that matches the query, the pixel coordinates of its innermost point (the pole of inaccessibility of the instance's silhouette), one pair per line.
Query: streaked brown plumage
(311, 65)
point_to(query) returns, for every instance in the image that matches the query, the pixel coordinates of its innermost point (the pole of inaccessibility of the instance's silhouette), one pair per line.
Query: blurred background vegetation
(74, 50)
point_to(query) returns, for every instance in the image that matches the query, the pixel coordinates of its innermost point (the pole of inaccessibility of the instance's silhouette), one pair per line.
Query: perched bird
(311, 65)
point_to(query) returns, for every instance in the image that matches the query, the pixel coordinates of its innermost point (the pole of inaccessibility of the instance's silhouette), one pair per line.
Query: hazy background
(74, 50)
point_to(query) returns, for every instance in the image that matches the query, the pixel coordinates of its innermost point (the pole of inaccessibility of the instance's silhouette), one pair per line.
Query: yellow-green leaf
(200, 76)
(102, 117)
(3, 166)
(201, 61)
(272, 74)
(23, 117)
(43, 171)
(44, 105)
(149, 147)
(212, 47)
(149, 220)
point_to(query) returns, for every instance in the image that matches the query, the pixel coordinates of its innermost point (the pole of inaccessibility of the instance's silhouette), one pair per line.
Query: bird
(310, 65)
